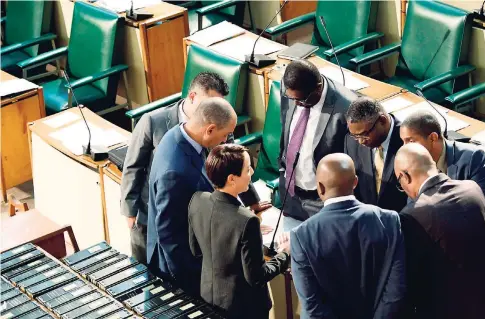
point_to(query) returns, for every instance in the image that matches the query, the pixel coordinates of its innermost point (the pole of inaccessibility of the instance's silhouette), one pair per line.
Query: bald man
(445, 239)
(347, 260)
(178, 172)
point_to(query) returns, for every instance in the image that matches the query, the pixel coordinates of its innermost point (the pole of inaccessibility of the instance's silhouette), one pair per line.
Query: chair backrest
(345, 21)
(93, 44)
(270, 146)
(234, 72)
(27, 20)
(435, 40)
(235, 12)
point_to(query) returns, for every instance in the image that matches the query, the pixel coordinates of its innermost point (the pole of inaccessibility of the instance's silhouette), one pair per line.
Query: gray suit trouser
(138, 236)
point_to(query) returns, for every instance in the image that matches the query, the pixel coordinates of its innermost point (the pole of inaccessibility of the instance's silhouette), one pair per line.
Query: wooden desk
(15, 113)
(68, 188)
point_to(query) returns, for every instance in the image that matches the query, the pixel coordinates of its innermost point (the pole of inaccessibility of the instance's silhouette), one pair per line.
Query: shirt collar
(182, 116)
(385, 144)
(194, 144)
(338, 199)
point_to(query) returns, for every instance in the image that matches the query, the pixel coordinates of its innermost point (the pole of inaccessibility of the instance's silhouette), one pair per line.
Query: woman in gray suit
(228, 238)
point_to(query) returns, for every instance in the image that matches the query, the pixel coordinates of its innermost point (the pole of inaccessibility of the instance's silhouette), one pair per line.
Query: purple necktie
(294, 147)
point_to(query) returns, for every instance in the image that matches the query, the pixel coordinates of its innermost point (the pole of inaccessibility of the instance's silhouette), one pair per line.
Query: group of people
(390, 214)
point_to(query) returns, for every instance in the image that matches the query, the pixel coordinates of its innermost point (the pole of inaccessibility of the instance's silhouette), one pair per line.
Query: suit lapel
(450, 158)
(173, 115)
(394, 144)
(327, 111)
(289, 117)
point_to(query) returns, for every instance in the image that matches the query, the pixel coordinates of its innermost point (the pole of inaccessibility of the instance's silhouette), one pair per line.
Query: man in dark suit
(460, 161)
(178, 171)
(146, 136)
(444, 230)
(313, 121)
(372, 144)
(347, 261)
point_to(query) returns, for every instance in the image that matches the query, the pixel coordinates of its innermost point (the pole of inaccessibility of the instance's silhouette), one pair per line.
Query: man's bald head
(335, 176)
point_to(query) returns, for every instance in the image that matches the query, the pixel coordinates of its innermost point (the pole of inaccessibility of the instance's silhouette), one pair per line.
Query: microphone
(480, 13)
(333, 50)
(137, 15)
(96, 154)
(262, 60)
(271, 251)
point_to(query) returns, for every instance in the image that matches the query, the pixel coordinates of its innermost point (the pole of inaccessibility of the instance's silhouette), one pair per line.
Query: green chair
(351, 25)
(202, 59)
(432, 54)
(91, 62)
(267, 168)
(25, 31)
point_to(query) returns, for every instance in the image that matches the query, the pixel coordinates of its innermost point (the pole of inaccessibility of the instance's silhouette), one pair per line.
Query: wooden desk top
(4, 76)
(112, 172)
(43, 131)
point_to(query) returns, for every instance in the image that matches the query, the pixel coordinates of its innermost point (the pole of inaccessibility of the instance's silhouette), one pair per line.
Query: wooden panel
(164, 59)
(295, 9)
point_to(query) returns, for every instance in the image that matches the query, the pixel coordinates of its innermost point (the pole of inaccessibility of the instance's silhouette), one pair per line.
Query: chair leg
(125, 84)
(69, 98)
(246, 128)
(15, 205)
(72, 238)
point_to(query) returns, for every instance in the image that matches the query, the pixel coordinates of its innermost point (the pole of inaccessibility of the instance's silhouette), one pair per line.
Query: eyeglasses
(304, 101)
(365, 135)
(398, 185)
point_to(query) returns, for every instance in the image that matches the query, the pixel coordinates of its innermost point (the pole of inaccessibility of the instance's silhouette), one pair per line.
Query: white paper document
(396, 103)
(270, 218)
(263, 191)
(15, 86)
(241, 46)
(123, 5)
(62, 119)
(351, 82)
(478, 138)
(216, 33)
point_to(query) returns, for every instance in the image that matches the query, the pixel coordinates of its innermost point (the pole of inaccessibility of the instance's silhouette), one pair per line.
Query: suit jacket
(177, 173)
(329, 138)
(136, 170)
(228, 238)
(389, 196)
(465, 162)
(445, 246)
(348, 262)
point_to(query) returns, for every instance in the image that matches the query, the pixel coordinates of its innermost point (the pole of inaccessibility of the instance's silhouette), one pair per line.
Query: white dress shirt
(182, 117)
(338, 199)
(385, 144)
(305, 169)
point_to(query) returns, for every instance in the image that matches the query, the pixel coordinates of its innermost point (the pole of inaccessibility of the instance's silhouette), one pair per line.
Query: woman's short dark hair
(224, 160)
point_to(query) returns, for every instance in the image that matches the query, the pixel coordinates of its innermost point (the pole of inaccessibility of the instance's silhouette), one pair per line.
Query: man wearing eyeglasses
(372, 144)
(313, 125)
(444, 232)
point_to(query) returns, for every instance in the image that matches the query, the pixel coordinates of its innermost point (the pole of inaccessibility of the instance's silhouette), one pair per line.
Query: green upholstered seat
(25, 23)
(433, 52)
(351, 25)
(202, 59)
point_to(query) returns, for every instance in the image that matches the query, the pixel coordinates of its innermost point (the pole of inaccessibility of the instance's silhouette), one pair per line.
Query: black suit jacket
(234, 273)
(444, 232)
(389, 196)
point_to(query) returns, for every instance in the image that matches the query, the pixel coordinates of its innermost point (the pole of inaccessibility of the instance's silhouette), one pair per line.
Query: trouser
(138, 236)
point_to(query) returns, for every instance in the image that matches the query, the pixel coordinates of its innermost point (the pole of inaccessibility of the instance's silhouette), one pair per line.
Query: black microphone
(480, 13)
(262, 60)
(271, 251)
(137, 15)
(333, 50)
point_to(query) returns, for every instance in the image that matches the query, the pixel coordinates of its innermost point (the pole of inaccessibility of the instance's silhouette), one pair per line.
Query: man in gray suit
(444, 231)
(460, 161)
(313, 121)
(146, 137)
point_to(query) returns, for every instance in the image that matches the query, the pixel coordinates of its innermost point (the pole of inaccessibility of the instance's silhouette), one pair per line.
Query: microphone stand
(333, 49)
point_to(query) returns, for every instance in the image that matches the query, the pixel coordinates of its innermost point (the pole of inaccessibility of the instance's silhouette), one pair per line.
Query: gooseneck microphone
(262, 60)
(333, 49)
(445, 132)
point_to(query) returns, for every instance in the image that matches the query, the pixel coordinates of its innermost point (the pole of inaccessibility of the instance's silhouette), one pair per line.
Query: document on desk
(16, 86)
(123, 5)
(395, 104)
(216, 33)
(61, 119)
(351, 82)
(242, 45)
(454, 124)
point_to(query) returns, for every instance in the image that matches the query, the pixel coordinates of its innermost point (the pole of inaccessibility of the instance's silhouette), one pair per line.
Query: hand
(265, 229)
(261, 206)
(283, 241)
(130, 221)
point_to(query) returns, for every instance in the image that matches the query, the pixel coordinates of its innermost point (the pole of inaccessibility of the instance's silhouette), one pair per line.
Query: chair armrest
(97, 76)
(355, 43)
(444, 77)
(376, 55)
(216, 6)
(25, 44)
(291, 24)
(43, 58)
(250, 139)
(187, 4)
(166, 101)
(466, 95)
(274, 184)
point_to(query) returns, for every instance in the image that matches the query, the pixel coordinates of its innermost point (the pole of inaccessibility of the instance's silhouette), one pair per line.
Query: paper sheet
(478, 138)
(216, 33)
(263, 191)
(123, 5)
(351, 82)
(15, 86)
(396, 103)
(270, 218)
(62, 119)
(240, 46)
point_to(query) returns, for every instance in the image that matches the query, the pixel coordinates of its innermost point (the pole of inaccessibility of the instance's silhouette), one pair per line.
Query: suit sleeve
(135, 167)
(306, 284)
(392, 299)
(257, 272)
(193, 243)
(477, 168)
